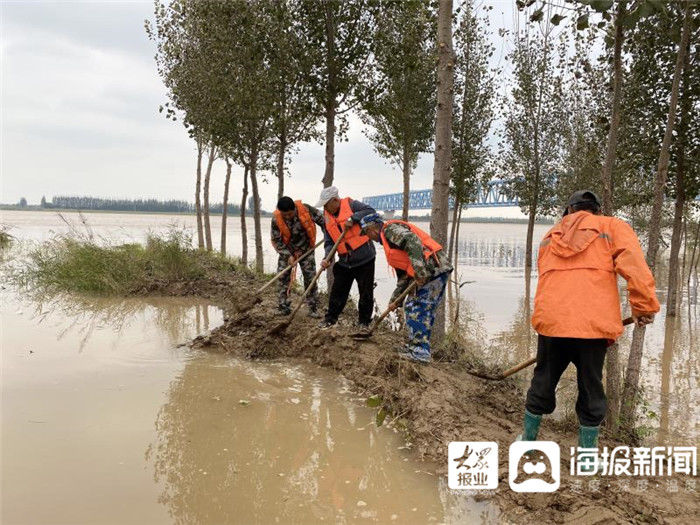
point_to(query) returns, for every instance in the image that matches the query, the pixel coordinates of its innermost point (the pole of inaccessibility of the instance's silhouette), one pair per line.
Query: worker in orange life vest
(293, 232)
(356, 256)
(414, 255)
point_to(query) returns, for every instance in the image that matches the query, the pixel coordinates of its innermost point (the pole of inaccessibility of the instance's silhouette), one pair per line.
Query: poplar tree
(401, 110)
(337, 35)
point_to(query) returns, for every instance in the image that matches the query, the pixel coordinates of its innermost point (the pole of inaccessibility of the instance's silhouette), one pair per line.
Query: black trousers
(553, 356)
(343, 278)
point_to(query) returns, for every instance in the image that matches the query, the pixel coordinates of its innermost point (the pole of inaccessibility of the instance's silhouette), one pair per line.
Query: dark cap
(582, 197)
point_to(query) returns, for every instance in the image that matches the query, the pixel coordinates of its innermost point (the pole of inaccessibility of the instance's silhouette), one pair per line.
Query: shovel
(366, 334)
(524, 364)
(281, 327)
(256, 299)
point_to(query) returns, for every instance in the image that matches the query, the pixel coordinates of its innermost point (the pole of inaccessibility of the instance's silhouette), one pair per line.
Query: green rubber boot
(531, 426)
(588, 438)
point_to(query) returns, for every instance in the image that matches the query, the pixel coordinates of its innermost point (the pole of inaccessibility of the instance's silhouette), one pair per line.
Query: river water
(106, 420)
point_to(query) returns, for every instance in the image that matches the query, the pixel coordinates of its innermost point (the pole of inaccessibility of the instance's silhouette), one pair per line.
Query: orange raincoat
(578, 263)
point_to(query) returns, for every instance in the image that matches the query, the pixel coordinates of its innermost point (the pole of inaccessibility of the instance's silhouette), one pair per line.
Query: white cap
(327, 194)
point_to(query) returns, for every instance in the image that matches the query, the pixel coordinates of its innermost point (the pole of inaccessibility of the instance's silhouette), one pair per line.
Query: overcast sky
(80, 98)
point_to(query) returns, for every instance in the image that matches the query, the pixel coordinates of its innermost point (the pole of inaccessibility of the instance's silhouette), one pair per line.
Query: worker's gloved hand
(643, 320)
(291, 260)
(349, 224)
(420, 281)
(325, 264)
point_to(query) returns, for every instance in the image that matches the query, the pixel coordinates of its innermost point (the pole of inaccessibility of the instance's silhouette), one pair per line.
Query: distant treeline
(63, 202)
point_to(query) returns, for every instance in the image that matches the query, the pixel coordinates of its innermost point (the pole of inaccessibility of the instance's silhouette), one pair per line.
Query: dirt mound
(436, 404)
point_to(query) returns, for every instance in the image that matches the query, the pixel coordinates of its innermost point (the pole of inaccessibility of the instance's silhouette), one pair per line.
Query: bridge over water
(488, 196)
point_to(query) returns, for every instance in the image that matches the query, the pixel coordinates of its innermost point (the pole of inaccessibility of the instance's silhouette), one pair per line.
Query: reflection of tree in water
(677, 399)
(220, 461)
(518, 342)
(496, 253)
(171, 316)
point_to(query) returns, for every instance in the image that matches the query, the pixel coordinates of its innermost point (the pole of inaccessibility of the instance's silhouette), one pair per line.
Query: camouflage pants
(308, 270)
(420, 314)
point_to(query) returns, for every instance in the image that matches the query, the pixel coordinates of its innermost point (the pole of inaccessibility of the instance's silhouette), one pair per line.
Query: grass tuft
(70, 264)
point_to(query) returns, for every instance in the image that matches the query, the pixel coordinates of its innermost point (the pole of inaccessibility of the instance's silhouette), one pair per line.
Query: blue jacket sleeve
(360, 209)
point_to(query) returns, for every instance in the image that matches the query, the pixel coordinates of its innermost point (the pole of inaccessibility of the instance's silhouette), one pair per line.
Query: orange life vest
(334, 226)
(306, 221)
(399, 259)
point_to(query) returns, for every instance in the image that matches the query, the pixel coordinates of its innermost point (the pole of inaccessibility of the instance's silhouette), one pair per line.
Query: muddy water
(493, 305)
(106, 420)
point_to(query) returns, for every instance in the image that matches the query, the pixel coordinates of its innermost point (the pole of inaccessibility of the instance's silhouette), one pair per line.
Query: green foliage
(651, 54)
(374, 401)
(295, 109)
(5, 238)
(337, 37)
(586, 120)
(72, 264)
(381, 416)
(473, 105)
(531, 149)
(400, 109)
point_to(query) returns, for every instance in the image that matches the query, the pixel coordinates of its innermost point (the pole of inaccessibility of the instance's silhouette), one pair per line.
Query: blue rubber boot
(531, 426)
(588, 438)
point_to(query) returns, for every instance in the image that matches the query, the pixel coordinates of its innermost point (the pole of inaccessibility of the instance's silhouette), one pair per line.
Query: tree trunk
(207, 178)
(666, 379)
(692, 255)
(453, 229)
(611, 151)
(612, 385)
(679, 207)
(673, 266)
(331, 97)
(280, 167)
(612, 362)
(443, 140)
(455, 262)
(259, 262)
(197, 196)
(330, 144)
(528, 241)
(406, 183)
(631, 386)
(244, 228)
(451, 284)
(224, 212)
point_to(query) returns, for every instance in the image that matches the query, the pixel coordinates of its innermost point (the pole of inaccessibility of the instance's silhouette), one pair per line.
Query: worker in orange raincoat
(577, 308)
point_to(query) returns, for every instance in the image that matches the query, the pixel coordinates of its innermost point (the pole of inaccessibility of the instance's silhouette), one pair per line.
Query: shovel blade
(246, 305)
(280, 328)
(361, 336)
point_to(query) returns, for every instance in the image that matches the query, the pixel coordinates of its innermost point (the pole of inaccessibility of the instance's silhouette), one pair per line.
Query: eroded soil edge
(437, 404)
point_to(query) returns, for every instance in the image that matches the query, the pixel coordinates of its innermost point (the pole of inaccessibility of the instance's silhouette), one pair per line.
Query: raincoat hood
(573, 234)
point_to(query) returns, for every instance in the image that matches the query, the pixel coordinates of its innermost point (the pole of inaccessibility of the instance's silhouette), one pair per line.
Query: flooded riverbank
(100, 392)
(107, 420)
(493, 310)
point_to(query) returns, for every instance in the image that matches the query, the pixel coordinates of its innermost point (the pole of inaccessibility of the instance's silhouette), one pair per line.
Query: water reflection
(493, 252)
(78, 316)
(266, 442)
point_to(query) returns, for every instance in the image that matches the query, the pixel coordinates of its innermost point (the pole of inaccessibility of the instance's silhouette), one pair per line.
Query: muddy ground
(433, 404)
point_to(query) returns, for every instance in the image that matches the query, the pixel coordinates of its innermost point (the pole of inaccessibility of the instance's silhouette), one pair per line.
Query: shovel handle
(517, 368)
(328, 257)
(280, 274)
(391, 306)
